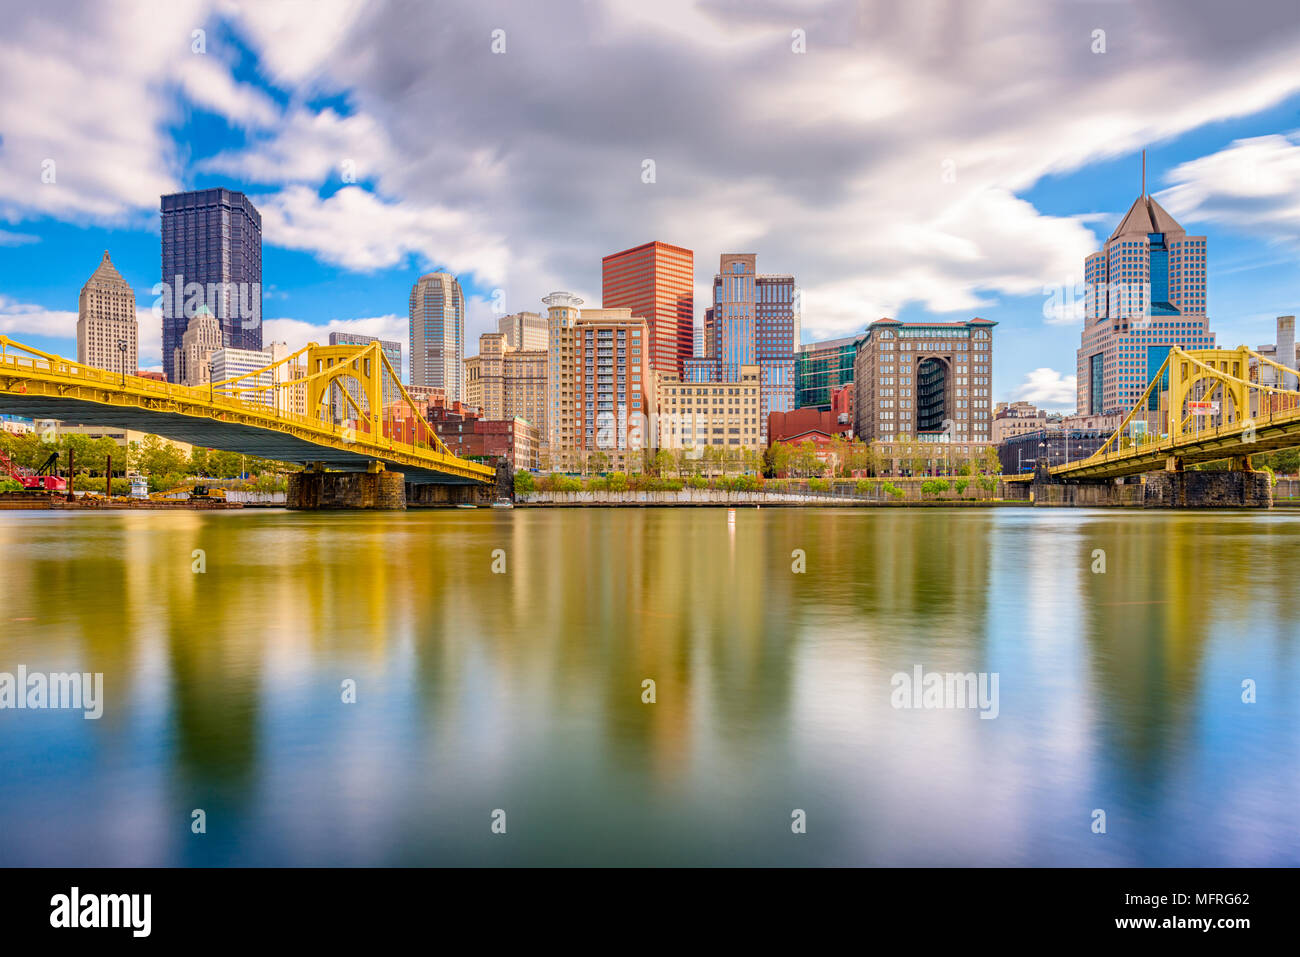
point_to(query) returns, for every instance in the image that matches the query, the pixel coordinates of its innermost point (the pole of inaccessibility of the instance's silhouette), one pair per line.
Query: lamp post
(121, 348)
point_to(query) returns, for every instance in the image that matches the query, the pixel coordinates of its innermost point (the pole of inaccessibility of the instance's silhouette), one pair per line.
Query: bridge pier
(313, 489)
(1237, 488)
(1175, 487)
(432, 495)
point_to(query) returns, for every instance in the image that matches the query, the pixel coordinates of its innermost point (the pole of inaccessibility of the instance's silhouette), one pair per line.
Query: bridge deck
(50, 388)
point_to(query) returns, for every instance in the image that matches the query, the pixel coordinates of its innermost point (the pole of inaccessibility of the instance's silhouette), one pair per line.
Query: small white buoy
(731, 516)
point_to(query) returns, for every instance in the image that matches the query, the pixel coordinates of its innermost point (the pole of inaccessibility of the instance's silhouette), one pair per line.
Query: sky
(930, 159)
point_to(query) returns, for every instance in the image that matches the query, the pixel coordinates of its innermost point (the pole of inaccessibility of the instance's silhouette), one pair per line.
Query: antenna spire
(1144, 174)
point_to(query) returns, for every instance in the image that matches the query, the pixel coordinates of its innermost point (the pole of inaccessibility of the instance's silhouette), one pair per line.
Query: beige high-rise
(507, 383)
(192, 359)
(559, 440)
(526, 331)
(601, 386)
(107, 331)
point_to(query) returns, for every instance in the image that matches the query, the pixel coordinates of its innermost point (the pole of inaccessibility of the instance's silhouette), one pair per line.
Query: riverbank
(705, 498)
(49, 501)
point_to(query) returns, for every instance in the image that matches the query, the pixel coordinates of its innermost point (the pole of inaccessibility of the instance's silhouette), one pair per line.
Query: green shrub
(893, 490)
(818, 485)
(524, 484)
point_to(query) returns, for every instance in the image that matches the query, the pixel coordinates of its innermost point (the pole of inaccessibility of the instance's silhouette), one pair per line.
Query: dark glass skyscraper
(211, 256)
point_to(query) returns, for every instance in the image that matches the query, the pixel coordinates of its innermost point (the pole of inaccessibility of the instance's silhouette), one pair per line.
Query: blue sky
(918, 168)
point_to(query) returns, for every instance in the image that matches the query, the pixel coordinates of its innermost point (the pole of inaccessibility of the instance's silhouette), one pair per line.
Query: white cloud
(1253, 185)
(357, 229)
(1048, 389)
(17, 239)
(880, 167)
(19, 318)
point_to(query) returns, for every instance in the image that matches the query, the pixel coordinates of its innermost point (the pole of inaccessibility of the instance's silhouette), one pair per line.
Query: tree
(155, 457)
(778, 458)
(990, 464)
(662, 462)
(876, 458)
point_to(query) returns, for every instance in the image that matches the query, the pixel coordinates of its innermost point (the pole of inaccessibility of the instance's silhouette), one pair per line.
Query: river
(500, 660)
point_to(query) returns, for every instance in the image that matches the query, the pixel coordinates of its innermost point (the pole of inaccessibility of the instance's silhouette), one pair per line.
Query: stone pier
(1191, 489)
(352, 490)
(1172, 488)
(435, 496)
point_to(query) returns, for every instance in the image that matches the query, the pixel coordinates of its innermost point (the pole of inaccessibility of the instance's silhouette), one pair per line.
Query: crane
(42, 479)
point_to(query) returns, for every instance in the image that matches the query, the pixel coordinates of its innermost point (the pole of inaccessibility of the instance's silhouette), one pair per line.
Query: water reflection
(523, 690)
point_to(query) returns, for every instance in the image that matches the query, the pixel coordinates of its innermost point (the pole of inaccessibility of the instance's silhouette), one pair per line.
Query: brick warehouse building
(513, 442)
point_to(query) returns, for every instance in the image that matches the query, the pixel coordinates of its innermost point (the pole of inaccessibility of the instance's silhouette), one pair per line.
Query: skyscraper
(656, 281)
(107, 331)
(437, 317)
(507, 383)
(392, 350)
(525, 331)
(192, 357)
(753, 321)
(560, 437)
(1145, 293)
(211, 256)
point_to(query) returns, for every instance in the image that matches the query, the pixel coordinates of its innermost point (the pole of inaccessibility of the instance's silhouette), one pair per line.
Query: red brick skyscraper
(657, 282)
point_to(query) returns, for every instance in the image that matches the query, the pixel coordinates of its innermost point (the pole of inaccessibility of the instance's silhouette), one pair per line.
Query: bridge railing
(1263, 405)
(25, 360)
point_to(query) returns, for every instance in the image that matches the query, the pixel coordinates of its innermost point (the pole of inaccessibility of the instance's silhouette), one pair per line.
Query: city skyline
(347, 232)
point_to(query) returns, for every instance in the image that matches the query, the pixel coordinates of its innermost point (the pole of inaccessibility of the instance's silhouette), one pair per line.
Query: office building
(231, 363)
(1145, 293)
(392, 350)
(107, 331)
(192, 358)
(925, 382)
(1283, 351)
(1016, 418)
(753, 321)
(655, 281)
(562, 311)
(507, 383)
(437, 327)
(820, 369)
(693, 415)
(524, 331)
(211, 257)
(512, 442)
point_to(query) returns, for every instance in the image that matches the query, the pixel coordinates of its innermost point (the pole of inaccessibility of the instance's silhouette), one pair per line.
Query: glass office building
(211, 256)
(820, 369)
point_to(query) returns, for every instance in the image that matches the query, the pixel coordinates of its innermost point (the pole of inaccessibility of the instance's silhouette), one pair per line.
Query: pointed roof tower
(1147, 216)
(106, 274)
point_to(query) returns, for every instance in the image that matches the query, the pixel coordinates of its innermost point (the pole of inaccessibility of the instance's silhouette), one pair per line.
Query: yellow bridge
(336, 407)
(1200, 406)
